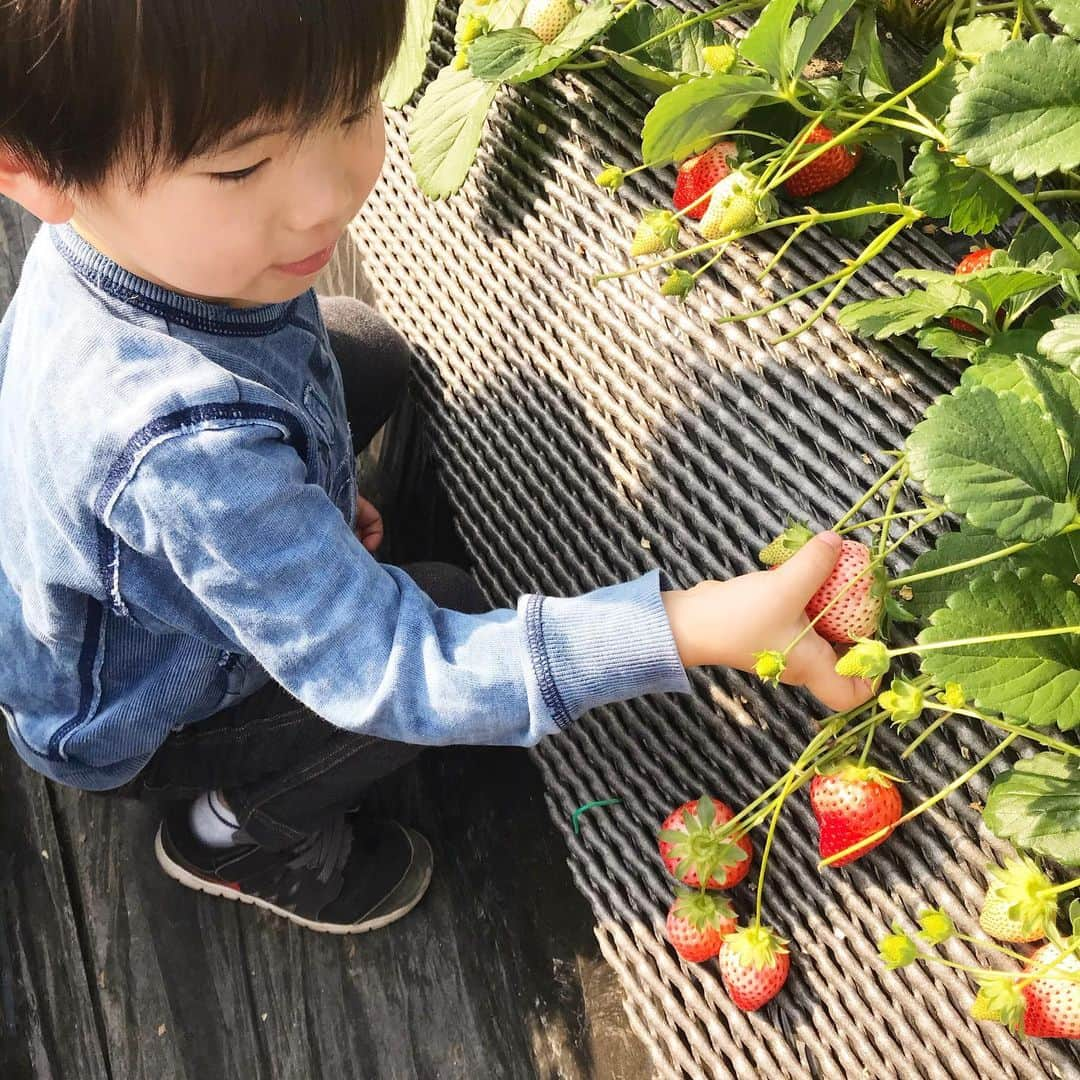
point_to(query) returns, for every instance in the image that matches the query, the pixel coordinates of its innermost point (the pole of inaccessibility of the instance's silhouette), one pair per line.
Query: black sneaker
(352, 876)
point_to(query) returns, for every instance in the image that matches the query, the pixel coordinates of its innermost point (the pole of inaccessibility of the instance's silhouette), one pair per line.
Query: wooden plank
(47, 1016)
(484, 978)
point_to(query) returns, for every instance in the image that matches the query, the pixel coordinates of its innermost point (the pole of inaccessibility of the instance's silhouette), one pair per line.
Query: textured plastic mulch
(586, 434)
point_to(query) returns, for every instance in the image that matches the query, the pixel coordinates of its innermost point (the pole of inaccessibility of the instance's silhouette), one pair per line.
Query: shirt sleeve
(276, 565)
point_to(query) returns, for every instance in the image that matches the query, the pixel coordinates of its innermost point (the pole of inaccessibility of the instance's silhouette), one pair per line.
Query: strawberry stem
(781, 798)
(890, 507)
(985, 943)
(1047, 223)
(925, 805)
(864, 523)
(870, 493)
(968, 564)
(866, 745)
(926, 732)
(985, 639)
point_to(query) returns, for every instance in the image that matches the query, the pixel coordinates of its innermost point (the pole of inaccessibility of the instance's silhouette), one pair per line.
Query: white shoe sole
(192, 881)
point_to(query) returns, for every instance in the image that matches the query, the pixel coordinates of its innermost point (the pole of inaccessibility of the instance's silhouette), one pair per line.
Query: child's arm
(726, 622)
(272, 561)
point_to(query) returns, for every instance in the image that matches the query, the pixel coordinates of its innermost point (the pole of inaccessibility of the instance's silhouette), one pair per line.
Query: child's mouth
(310, 265)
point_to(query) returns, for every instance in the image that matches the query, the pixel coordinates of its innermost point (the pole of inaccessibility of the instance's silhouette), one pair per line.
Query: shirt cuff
(608, 645)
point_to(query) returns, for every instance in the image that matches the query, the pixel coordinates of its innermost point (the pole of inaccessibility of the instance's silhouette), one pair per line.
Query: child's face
(252, 240)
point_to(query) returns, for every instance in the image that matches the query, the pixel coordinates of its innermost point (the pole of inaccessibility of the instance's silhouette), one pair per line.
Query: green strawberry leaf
(943, 341)
(1066, 13)
(445, 130)
(818, 29)
(1006, 344)
(864, 69)
(871, 182)
(407, 71)
(1037, 249)
(983, 35)
(1062, 344)
(1059, 556)
(969, 199)
(994, 458)
(999, 372)
(893, 315)
(1036, 805)
(678, 55)
(1060, 391)
(1034, 680)
(691, 117)
(987, 290)
(517, 55)
(656, 79)
(765, 42)
(935, 98)
(1019, 109)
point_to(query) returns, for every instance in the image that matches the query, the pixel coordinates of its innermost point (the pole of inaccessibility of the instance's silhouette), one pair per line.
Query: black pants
(284, 770)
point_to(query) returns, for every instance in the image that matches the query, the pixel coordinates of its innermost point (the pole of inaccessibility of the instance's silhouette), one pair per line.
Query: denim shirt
(177, 490)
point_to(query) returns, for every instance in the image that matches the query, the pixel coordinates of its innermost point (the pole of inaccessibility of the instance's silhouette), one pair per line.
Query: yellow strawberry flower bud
(864, 660)
(719, 58)
(897, 949)
(769, 665)
(461, 60)
(936, 926)
(475, 25)
(954, 696)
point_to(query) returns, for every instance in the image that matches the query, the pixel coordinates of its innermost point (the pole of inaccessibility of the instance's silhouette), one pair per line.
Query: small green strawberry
(791, 540)
(1020, 902)
(897, 949)
(677, 283)
(864, 660)
(547, 19)
(903, 701)
(611, 177)
(734, 207)
(658, 231)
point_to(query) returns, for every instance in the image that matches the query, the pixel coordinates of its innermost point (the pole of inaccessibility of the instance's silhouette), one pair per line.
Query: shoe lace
(325, 851)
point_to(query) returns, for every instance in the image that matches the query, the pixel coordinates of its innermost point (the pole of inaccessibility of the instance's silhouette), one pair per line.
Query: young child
(190, 607)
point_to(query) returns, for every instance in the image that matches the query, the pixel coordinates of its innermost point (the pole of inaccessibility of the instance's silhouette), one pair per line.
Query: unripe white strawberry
(547, 19)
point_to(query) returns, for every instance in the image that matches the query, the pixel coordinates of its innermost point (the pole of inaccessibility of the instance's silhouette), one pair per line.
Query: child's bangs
(302, 61)
(130, 86)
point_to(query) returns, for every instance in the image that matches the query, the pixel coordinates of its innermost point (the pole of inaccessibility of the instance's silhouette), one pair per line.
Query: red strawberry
(976, 260)
(692, 845)
(826, 171)
(698, 923)
(754, 965)
(1053, 1005)
(851, 802)
(858, 612)
(701, 173)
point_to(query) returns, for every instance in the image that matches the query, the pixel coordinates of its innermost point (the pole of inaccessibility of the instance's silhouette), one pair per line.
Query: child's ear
(43, 200)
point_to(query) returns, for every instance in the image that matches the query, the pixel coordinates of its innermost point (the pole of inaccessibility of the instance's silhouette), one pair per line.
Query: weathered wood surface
(110, 970)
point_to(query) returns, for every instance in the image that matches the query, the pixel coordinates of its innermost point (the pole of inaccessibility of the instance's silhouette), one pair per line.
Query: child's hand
(727, 622)
(368, 526)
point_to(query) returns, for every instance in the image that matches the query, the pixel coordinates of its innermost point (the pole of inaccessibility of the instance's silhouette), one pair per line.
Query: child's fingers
(816, 671)
(805, 572)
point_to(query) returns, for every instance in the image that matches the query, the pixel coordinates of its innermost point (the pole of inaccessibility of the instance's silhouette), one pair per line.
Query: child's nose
(323, 198)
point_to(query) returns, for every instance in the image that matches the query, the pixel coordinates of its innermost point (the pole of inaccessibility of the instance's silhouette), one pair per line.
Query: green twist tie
(588, 806)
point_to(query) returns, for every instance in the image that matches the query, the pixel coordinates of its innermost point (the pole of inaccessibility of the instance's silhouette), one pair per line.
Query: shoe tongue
(326, 851)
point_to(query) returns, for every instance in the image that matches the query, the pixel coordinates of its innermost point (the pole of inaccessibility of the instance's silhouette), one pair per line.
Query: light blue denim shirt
(177, 491)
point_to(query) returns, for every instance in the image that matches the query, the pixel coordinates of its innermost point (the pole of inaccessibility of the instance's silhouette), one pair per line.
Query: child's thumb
(805, 572)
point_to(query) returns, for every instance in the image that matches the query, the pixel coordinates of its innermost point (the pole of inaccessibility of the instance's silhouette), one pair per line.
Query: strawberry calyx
(897, 949)
(851, 772)
(1025, 895)
(756, 946)
(794, 537)
(903, 701)
(999, 999)
(704, 849)
(703, 910)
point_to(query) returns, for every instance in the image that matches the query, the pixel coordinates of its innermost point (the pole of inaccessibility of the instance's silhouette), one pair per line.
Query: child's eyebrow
(240, 139)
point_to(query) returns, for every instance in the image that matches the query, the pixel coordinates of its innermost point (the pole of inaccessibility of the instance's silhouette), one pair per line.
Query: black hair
(89, 87)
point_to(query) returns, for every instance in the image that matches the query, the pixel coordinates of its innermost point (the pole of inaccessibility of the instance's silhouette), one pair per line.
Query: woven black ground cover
(587, 434)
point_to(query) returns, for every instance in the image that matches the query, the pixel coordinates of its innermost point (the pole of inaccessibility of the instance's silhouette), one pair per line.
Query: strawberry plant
(981, 136)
